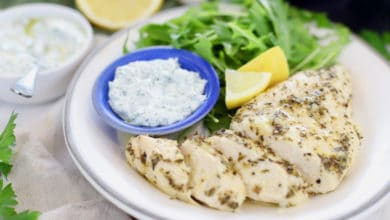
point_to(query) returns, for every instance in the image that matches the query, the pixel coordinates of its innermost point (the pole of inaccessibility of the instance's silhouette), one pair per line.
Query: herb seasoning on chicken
(296, 139)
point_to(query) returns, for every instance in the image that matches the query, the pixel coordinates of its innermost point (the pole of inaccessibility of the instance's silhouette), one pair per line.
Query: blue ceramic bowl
(187, 60)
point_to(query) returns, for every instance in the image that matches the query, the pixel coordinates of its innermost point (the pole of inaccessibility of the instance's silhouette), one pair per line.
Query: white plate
(98, 154)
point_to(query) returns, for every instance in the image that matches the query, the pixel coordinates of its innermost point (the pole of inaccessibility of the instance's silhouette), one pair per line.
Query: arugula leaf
(378, 41)
(219, 117)
(125, 50)
(386, 37)
(7, 194)
(277, 12)
(230, 39)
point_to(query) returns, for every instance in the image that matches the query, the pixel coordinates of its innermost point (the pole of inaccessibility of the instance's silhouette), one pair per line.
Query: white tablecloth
(45, 178)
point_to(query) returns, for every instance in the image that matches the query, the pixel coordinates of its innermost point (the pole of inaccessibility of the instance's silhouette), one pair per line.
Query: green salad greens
(380, 42)
(230, 38)
(7, 194)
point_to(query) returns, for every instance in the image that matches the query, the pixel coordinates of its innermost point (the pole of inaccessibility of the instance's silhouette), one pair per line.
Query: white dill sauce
(155, 93)
(48, 42)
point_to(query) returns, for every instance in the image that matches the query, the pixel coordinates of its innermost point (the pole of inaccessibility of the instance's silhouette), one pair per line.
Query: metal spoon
(25, 85)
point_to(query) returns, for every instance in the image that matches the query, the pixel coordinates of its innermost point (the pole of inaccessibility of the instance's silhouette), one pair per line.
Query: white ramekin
(49, 84)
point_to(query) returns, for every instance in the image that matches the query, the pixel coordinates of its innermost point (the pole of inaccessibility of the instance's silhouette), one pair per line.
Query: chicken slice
(267, 178)
(213, 182)
(306, 120)
(161, 162)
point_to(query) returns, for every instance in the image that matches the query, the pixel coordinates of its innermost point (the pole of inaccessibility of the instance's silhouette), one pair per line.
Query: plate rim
(133, 209)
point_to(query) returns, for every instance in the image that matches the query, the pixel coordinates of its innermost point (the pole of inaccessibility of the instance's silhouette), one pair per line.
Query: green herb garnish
(7, 140)
(30, 25)
(7, 194)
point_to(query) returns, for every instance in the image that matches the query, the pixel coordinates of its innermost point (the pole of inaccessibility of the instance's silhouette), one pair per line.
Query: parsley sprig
(7, 194)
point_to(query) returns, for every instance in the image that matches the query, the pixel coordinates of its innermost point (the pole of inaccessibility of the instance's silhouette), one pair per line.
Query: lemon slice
(243, 86)
(118, 14)
(272, 60)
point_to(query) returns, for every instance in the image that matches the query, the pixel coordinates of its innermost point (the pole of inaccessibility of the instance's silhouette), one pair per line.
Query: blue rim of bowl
(100, 90)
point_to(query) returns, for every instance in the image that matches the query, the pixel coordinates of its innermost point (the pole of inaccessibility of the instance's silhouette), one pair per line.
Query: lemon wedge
(118, 14)
(272, 60)
(243, 86)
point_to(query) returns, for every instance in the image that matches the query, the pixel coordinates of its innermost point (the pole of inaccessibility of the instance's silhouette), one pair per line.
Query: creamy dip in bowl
(156, 91)
(48, 42)
(54, 38)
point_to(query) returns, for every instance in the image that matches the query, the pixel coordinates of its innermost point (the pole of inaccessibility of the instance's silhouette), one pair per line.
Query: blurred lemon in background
(117, 14)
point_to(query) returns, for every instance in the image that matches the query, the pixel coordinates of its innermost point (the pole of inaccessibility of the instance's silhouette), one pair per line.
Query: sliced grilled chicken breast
(267, 177)
(161, 162)
(296, 138)
(213, 182)
(306, 120)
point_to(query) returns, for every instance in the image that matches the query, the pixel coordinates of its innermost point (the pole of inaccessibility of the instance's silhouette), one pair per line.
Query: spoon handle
(25, 85)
